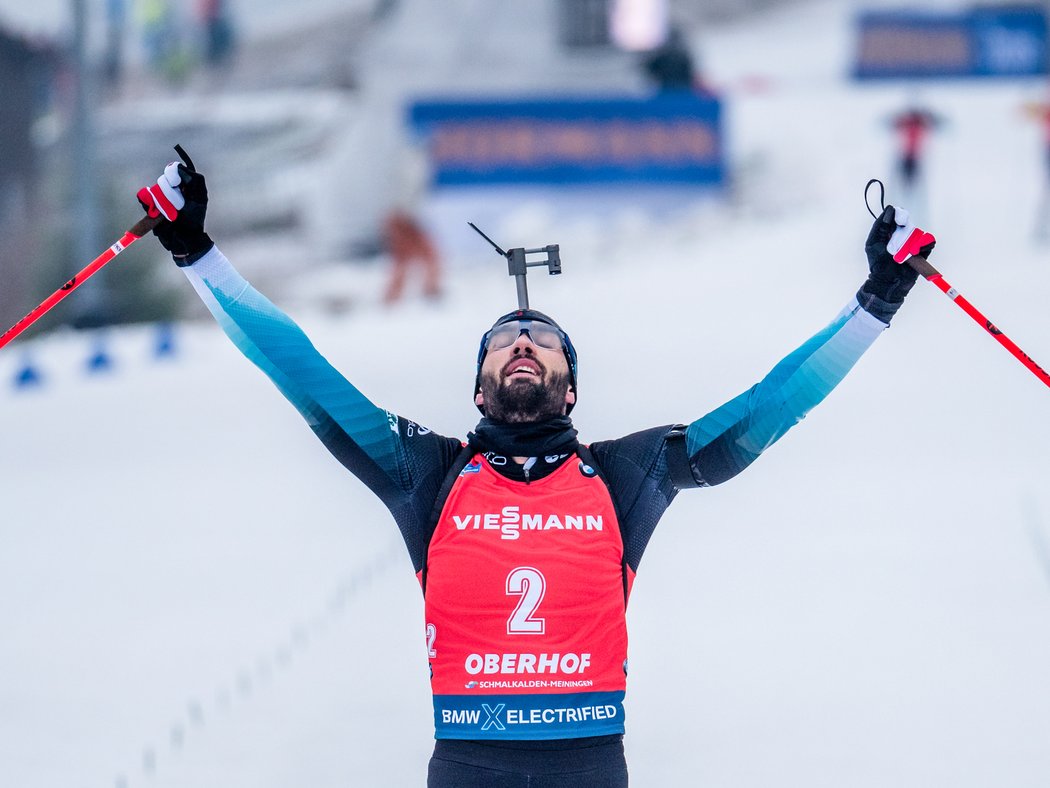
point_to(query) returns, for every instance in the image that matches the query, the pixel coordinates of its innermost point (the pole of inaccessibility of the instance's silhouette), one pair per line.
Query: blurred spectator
(404, 235)
(671, 66)
(408, 245)
(219, 39)
(913, 126)
(155, 16)
(163, 39)
(116, 23)
(1041, 113)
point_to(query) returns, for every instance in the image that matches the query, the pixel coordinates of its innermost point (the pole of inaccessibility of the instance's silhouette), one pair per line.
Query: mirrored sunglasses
(542, 334)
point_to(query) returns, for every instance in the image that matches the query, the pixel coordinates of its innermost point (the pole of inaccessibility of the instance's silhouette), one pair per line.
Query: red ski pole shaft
(922, 265)
(140, 228)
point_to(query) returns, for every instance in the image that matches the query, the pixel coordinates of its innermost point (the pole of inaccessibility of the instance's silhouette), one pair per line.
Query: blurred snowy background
(193, 593)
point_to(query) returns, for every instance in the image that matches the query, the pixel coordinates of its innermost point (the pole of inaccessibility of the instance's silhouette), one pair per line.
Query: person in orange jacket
(409, 245)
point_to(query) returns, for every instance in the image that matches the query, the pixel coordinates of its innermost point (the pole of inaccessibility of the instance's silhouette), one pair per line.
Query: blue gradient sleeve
(729, 438)
(275, 344)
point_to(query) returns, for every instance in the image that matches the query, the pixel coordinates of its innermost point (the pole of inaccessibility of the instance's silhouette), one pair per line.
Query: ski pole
(140, 228)
(922, 265)
(905, 246)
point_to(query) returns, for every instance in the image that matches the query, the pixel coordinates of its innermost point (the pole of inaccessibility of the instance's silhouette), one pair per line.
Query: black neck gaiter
(532, 439)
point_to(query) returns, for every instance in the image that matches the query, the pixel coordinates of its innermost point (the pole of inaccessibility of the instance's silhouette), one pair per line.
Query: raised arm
(364, 437)
(731, 437)
(275, 344)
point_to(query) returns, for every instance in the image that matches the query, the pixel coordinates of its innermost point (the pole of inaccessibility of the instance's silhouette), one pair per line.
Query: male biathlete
(524, 540)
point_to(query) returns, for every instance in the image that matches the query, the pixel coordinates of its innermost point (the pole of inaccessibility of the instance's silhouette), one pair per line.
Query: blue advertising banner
(671, 138)
(999, 41)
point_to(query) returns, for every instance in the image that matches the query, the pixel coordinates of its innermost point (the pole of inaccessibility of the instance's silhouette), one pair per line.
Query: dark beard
(524, 400)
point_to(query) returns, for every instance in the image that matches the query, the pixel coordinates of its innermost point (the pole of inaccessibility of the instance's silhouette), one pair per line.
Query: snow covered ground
(193, 593)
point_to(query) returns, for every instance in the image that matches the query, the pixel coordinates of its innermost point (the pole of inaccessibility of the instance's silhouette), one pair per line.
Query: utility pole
(92, 304)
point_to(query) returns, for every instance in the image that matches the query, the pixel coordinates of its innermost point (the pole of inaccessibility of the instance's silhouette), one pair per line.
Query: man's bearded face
(525, 383)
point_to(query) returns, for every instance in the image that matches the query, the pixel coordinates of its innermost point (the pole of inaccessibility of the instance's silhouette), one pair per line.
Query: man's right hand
(184, 234)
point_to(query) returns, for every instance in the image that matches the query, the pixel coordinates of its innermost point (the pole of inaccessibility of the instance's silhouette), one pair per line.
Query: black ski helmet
(529, 314)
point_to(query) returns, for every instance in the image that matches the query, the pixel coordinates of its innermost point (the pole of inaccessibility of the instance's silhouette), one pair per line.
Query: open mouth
(522, 369)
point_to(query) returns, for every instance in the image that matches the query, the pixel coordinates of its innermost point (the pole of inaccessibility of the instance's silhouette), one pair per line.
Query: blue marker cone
(100, 360)
(164, 345)
(28, 376)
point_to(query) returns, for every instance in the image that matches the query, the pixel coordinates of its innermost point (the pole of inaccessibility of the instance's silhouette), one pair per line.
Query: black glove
(888, 281)
(185, 237)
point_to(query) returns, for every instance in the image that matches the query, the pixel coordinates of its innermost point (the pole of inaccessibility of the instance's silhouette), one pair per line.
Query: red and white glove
(907, 239)
(164, 198)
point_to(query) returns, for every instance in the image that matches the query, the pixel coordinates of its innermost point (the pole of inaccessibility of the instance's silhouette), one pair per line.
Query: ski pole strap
(678, 466)
(882, 197)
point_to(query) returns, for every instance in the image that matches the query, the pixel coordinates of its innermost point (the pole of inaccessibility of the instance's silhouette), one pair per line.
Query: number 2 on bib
(530, 585)
(432, 634)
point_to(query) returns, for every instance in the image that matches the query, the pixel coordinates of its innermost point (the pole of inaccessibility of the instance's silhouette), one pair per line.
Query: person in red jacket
(913, 127)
